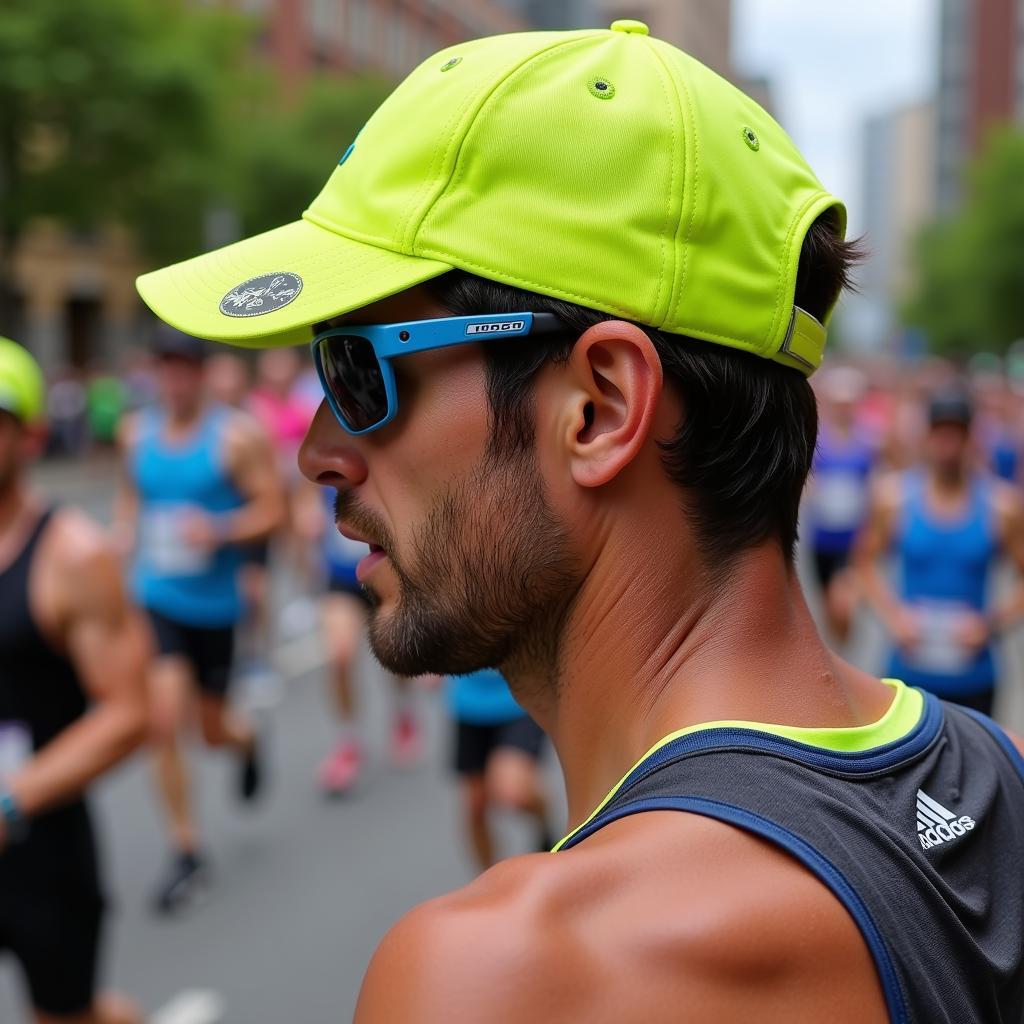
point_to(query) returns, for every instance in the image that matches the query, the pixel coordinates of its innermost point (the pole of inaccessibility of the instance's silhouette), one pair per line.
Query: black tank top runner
(921, 839)
(39, 690)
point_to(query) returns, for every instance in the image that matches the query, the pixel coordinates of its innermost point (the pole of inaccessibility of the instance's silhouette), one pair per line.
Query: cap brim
(337, 276)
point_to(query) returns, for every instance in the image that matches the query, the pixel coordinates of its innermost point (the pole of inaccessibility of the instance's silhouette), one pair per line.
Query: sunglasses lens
(353, 375)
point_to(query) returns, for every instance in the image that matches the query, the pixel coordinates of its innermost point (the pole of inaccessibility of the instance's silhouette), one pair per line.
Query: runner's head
(180, 360)
(949, 429)
(22, 411)
(651, 263)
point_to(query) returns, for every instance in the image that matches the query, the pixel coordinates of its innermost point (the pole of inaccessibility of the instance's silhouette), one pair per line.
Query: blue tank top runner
(944, 568)
(171, 577)
(838, 497)
(482, 698)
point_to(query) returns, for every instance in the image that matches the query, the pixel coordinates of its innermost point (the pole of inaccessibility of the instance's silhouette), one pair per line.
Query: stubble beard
(490, 584)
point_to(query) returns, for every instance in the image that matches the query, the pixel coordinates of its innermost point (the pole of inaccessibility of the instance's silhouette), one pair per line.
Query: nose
(328, 455)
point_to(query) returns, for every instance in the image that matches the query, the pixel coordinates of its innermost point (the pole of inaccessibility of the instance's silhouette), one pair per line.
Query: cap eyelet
(403, 335)
(750, 138)
(601, 88)
(450, 63)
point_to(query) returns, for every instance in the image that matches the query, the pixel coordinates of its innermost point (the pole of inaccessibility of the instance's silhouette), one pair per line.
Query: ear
(617, 381)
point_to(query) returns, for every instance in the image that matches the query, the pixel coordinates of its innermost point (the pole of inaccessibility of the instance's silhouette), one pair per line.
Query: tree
(111, 111)
(280, 169)
(971, 280)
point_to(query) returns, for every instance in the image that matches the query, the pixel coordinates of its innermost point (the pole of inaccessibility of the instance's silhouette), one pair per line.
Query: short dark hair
(744, 448)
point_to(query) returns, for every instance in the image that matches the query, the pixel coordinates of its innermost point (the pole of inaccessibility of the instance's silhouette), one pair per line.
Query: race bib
(162, 546)
(15, 747)
(939, 651)
(839, 501)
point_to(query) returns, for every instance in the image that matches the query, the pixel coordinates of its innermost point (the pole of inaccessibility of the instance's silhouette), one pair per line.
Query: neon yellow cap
(22, 390)
(604, 167)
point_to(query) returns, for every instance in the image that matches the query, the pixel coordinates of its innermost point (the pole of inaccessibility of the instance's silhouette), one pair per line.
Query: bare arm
(1010, 514)
(108, 645)
(872, 544)
(254, 471)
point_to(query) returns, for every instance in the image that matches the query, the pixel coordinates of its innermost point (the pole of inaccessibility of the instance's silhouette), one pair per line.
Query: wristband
(15, 823)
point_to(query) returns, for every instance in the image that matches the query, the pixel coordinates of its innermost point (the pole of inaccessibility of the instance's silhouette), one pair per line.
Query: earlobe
(620, 377)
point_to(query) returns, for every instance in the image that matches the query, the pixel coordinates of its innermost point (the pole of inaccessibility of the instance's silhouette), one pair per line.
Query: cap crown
(669, 197)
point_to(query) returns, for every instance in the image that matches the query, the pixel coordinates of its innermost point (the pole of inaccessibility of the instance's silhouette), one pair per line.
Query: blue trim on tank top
(875, 759)
(815, 861)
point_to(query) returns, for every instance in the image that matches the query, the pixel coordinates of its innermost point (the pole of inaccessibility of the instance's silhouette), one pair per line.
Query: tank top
(341, 555)
(482, 698)
(838, 497)
(915, 824)
(40, 695)
(944, 568)
(184, 584)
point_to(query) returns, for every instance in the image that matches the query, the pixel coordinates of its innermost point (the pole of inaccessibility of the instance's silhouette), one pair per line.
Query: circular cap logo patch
(263, 294)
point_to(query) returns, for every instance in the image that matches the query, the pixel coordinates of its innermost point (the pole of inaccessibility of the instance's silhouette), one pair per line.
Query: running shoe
(406, 742)
(185, 884)
(341, 768)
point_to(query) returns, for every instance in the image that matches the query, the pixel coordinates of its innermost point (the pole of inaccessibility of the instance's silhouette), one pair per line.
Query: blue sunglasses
(354, 362)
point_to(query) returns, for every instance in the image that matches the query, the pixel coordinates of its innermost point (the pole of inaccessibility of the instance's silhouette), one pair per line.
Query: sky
(832, 64)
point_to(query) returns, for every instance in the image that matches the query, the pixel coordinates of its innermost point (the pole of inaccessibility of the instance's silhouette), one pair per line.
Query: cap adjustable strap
(804, 344)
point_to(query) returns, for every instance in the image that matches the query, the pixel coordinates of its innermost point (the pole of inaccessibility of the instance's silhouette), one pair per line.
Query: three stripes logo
(937, 824)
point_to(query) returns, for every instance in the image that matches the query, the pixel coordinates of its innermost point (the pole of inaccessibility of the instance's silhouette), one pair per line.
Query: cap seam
(457, 141)
(662, 316)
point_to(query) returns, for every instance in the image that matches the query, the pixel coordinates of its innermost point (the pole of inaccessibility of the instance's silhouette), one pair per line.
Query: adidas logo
(937, 824)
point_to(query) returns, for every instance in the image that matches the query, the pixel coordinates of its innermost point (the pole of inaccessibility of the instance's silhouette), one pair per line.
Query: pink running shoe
(339, 771)
(406, 743)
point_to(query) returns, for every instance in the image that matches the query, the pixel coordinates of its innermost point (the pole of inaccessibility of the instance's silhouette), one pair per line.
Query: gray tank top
(921, 839)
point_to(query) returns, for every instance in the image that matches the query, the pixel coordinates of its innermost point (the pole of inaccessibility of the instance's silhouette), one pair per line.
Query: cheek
(441, 439)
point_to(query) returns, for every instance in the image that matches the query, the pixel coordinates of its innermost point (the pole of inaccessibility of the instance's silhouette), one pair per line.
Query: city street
(303, 888)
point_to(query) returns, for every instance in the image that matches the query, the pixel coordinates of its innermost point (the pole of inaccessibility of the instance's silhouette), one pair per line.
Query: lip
(351, 534)
(369, 563)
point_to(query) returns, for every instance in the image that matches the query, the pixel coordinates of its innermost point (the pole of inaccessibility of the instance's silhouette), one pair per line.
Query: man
(497, 755)
(837, 492)
(577, 453)
(72, 663)
(344, 609)
(947, 524)
(199, 483)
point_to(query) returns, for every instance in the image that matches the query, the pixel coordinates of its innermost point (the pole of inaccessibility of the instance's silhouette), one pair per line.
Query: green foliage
(111, 112)
(152, 113)
(283, 163)
(970, 296)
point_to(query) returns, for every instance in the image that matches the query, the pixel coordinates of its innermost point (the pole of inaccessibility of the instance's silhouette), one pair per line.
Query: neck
(949, 480)
(645, 652)
(184, 417)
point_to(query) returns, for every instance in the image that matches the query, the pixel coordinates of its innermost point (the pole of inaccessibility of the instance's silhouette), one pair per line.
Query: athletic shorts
(340, 586)
(208, 651)
(256, 553)
(828, 564)
(51, 911)
(474, 744)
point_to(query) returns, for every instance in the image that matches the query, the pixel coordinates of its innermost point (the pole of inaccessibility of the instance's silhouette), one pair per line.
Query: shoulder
(78, 570)
(242, 430)
(1006, 502)
(655, 910)
(129, 428)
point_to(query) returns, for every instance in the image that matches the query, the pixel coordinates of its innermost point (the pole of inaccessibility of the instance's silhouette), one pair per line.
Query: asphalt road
(303, 888)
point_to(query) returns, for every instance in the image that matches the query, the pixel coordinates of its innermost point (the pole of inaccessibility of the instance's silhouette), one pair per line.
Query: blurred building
(700, 27)
(384, 37)
(980, 82)
(899, 196)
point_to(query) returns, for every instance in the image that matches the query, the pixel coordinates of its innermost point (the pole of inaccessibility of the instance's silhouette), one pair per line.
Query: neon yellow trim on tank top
(903, 714)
